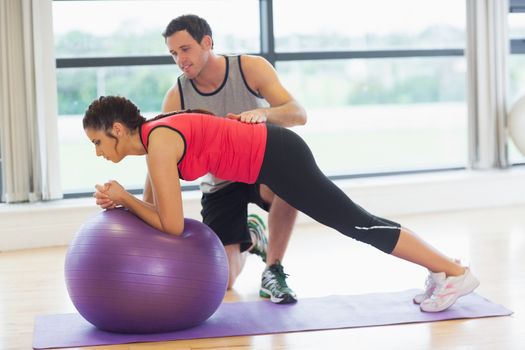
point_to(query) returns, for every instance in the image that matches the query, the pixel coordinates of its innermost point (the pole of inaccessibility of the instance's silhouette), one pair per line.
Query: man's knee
(284, 205)
(266, 194)
(273, 200)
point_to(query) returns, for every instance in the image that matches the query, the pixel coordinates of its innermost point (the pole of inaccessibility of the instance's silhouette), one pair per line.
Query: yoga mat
(264, 317)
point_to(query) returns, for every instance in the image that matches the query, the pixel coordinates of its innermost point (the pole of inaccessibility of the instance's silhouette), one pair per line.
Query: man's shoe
(257, 230)
(274, 285)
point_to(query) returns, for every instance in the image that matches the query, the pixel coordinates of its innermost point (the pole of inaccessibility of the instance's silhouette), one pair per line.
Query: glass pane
(133, 28)
(145, 85)
(382, 114)
(334, 25)
(517, 25)
(517, 90)
(77, 87)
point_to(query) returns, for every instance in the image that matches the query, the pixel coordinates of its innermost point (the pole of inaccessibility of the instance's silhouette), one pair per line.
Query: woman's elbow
(301, 115)
(303, 119)
(174, 229)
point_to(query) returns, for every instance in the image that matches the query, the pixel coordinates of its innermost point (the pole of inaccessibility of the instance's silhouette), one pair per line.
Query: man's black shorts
(226, 212)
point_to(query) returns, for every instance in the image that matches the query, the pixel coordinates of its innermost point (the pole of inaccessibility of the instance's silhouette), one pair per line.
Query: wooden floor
(322, 262)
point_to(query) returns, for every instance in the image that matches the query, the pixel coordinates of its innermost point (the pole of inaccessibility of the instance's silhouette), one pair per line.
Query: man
(246, 88)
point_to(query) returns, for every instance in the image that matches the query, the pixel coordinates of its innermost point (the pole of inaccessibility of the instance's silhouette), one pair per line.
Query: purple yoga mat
(263, 317)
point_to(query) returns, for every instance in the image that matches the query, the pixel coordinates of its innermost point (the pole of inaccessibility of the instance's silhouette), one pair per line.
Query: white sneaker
(433, 279)
(431, 282)
(449, 290)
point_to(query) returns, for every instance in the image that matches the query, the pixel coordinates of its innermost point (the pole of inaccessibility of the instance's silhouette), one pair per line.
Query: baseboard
(54, 223)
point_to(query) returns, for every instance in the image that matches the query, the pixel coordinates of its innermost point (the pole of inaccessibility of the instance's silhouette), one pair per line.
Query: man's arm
(284, 110)
(171, 100)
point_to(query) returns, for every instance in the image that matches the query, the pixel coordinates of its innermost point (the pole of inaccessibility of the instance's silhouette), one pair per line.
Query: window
(369, 25)
(384, 94)
(133, 28)
(382, 115)
(95, 42)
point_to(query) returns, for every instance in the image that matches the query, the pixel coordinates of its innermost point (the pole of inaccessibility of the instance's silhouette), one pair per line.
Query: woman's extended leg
(289, 169)
(412, 248)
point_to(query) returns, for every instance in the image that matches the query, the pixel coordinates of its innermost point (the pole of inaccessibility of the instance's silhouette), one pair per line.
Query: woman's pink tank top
(226, 148)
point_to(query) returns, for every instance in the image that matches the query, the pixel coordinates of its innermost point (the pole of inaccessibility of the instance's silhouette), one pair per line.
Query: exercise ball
(124, 276)
(516, 124)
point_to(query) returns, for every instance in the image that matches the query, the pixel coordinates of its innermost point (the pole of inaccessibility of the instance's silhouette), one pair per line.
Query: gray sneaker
(274, 285)
(257, 230)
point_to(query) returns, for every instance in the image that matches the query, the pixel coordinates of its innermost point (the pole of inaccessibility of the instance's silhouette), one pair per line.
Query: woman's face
(105, 146)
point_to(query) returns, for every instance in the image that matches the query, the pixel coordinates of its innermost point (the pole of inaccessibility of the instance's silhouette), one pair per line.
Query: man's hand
(251, 117)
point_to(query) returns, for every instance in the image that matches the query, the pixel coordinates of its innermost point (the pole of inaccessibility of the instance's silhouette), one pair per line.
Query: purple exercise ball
(125, 276)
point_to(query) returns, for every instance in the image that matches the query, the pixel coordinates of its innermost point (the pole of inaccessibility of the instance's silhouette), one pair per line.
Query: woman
(187, 145)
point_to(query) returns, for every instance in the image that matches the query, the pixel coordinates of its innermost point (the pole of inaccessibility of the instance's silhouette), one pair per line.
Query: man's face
(188, 54)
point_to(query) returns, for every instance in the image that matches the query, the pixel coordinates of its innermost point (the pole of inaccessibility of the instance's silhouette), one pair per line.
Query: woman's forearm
(146, 211)
(149, 213)
(147, 195)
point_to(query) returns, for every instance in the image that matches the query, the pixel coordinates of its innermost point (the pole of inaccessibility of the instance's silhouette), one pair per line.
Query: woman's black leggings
(290, 171)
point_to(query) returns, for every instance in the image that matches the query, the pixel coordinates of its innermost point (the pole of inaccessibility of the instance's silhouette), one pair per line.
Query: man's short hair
(196, 26)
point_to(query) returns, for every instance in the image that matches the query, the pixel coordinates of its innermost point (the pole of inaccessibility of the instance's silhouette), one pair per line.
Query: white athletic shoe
(432, 280)
(449, 290)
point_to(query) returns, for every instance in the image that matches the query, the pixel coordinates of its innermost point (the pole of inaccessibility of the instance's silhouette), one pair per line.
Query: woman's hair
(106, 110)
(196, 26)
(164, 115)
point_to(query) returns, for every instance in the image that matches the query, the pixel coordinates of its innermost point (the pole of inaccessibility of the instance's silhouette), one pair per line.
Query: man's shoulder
(171, 100)
(173, 90)
(252, 65)
(252, 59)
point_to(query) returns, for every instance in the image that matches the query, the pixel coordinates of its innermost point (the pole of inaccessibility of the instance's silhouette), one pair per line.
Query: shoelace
(429, 283)
(440, 287)
(279, 273)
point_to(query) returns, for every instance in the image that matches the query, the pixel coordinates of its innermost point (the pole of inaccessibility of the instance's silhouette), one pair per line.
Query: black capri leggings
(290, 171)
